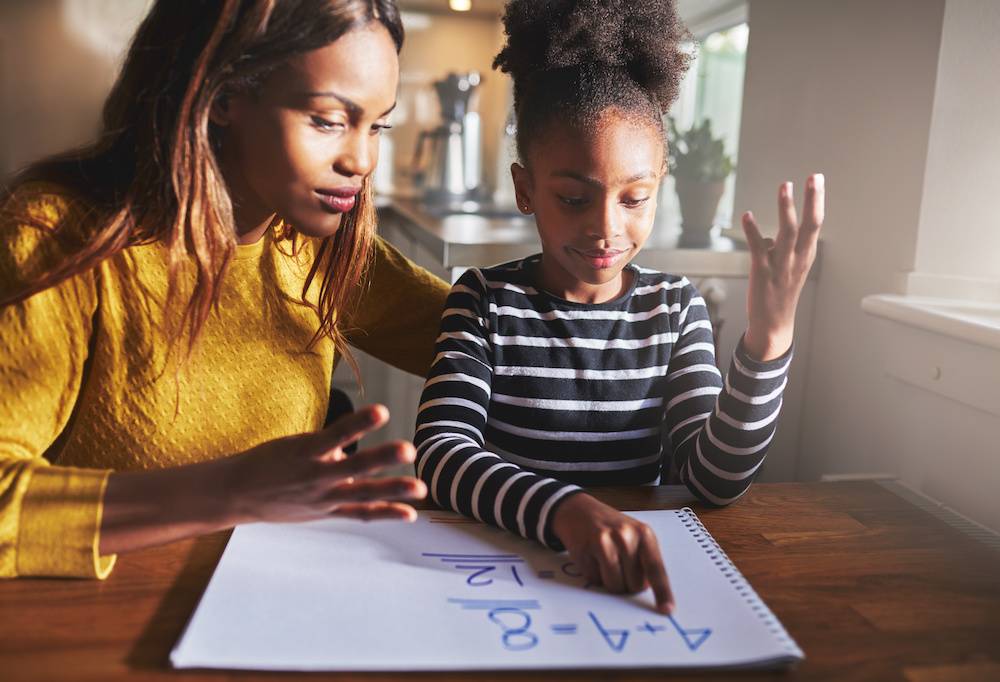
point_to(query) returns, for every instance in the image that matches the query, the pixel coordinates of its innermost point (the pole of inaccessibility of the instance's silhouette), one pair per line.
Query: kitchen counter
(462, 240)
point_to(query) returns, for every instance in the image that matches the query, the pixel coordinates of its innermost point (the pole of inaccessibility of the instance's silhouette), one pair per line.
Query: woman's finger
(371, 460)
(813, 212)
(348, 429)
(788, 222)
(656, 574)
(376, 511)
(378, 489)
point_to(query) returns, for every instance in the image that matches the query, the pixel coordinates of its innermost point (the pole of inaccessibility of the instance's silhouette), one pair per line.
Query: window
(713, 89)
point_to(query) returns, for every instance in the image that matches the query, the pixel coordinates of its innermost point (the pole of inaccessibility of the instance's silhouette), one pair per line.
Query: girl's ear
(523, 187)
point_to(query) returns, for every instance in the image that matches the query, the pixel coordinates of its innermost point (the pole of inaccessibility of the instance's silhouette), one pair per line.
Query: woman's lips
(601, 259)
(339, 200)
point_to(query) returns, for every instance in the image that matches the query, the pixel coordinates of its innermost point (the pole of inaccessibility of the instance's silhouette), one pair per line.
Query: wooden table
(869, 585)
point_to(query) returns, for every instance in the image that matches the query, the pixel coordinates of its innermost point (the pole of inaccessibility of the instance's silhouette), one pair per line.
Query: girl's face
(301, 145)
(594, 198)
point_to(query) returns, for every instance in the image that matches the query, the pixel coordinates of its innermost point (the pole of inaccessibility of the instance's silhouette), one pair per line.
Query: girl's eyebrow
(353, 108)
(594, 182)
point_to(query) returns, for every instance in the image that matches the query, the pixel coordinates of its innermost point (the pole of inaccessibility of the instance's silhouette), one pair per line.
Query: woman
(173, 297)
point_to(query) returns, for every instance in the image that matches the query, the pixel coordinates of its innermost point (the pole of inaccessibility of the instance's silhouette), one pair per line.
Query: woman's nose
(357, 157)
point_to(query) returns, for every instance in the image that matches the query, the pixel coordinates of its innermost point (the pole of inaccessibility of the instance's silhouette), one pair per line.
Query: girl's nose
(607, 223)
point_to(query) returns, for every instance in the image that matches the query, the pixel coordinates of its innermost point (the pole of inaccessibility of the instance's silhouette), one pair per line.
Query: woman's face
(301, 145)
(593, 194)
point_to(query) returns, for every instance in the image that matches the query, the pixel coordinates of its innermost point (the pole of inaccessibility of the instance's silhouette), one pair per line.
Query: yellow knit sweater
(87, 383)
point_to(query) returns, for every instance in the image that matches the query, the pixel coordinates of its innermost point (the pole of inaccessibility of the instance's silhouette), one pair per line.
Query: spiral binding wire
(718, 557)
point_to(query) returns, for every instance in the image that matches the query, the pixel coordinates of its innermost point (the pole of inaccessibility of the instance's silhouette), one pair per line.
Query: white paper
(447, 593)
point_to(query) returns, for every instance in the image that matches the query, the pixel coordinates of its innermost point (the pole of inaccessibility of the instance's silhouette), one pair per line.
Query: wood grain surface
(870, 586)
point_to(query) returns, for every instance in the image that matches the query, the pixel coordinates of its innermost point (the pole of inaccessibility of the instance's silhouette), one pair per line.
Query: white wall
(946, 447)
(854, 89)
(964, 155)
(842, 88)
(58, 59)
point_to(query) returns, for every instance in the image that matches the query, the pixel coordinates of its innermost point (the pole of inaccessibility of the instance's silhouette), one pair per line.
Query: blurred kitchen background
(897, 360)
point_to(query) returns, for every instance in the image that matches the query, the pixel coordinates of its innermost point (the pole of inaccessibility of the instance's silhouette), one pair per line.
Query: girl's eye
(322, 124)
(634, 203)
(380, 127)
(572, 201)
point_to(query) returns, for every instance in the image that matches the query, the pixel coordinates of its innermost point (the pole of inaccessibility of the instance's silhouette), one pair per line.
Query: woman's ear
(523, 188)
(220, 112)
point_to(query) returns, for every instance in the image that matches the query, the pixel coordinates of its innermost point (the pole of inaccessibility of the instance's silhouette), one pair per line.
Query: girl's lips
(601, 259)
(338, 201)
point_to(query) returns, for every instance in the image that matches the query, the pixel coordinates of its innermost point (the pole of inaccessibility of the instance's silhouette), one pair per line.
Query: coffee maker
(447, 161)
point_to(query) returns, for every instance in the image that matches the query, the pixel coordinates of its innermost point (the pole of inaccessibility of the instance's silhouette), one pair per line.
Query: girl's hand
(308, 476)
(612, 549)
(778, 270)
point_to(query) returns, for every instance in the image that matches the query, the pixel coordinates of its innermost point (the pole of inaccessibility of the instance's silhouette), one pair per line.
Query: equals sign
(548, 575)
(564, 629)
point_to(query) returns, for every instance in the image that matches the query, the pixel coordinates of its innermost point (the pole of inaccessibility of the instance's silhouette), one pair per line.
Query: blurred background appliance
(447, 161)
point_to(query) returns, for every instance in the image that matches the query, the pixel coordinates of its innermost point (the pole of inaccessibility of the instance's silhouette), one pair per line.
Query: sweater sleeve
(453, 458)
(397, 316)
(719, 431)
(50, 516)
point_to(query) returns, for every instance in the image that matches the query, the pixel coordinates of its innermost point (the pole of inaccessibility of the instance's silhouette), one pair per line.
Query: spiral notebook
(447, 593)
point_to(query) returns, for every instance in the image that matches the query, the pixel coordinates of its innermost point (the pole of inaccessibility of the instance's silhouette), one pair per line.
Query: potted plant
(700, 166)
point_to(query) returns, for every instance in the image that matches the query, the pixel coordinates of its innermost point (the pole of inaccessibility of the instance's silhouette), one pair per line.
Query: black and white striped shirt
(531, 396)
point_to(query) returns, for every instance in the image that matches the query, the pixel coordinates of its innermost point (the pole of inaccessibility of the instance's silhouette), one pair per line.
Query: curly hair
(573, 59)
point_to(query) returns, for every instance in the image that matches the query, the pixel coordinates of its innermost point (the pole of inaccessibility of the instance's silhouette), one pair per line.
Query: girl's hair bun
(642, 38)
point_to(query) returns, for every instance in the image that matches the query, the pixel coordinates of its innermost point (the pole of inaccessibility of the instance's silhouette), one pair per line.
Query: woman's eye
(380, 127)
(633, 203)
(323, 124)
(572, 201)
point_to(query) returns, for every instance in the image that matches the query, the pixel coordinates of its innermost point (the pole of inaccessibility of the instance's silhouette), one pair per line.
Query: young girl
(574, 367)
(172, 298)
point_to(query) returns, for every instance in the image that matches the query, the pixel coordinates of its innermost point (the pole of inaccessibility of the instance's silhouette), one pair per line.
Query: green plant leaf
(695, 154)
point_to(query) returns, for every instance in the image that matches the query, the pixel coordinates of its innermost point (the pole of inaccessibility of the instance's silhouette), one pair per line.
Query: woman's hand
(778, 270)
(309, 476)
(612, 549)
(290, 479)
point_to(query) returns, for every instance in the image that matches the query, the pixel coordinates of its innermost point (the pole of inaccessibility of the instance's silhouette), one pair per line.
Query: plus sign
(650, 628)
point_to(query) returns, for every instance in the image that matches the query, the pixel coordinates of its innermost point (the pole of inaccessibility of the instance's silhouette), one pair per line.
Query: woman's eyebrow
(353, 108)
(594, 182)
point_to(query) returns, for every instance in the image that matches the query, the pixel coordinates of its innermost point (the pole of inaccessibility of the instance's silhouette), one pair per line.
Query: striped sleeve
(719, 431)
(453, 458)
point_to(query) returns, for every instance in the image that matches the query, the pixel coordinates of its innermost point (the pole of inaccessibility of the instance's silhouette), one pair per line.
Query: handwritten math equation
(482, 569)
(519, 631)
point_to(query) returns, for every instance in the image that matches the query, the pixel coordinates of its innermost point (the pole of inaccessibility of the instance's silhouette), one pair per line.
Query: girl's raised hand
(778, 269)
(309, 476)
(612, 549)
